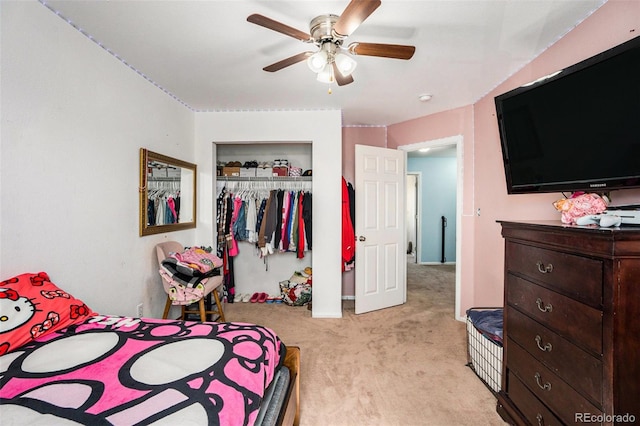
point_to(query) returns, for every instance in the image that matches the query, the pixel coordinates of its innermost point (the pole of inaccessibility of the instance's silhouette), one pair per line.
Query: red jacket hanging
(348, 233)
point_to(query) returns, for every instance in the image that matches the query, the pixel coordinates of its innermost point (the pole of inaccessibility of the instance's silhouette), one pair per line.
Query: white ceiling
(206, 55)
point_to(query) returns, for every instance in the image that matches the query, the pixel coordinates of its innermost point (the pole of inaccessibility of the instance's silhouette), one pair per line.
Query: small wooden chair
(163, 250)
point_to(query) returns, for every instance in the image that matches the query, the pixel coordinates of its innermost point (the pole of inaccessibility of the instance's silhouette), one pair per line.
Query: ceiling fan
(332, 61)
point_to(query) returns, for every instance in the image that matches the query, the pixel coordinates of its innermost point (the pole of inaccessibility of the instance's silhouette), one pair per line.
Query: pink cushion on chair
(163, 250)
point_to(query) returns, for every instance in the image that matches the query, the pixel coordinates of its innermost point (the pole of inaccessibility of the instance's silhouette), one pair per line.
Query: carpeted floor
(398, 366)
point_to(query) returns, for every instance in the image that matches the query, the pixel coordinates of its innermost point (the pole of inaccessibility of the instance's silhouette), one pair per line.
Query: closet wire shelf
(263, 184)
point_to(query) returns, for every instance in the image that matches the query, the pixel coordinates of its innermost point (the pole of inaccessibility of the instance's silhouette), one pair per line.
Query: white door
(380, 232)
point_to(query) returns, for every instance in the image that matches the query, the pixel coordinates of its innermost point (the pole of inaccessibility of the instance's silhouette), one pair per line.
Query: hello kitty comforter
(125, 371)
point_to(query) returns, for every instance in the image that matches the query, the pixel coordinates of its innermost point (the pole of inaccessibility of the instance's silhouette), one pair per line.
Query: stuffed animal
(580, 204)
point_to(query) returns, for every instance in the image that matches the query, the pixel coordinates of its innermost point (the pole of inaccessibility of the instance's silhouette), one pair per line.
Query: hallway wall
(438, 198)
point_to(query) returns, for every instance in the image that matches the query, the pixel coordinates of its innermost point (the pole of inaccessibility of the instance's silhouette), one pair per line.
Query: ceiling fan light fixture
(332, 62)
(326, 75)
(318, 61)
(345, 64)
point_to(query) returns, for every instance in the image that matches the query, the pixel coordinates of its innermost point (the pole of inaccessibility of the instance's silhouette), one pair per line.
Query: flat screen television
(575, 130)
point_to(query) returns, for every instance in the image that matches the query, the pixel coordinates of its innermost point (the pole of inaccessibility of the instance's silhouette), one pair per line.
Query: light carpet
(404, 365)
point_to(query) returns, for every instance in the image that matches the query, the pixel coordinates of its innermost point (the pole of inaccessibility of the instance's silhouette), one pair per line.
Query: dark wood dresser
(571, 324)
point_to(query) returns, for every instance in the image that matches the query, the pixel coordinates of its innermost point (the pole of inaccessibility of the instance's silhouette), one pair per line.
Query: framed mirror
(167, 193)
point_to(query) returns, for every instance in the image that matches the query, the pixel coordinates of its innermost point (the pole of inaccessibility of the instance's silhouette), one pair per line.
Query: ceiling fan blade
(354, 15)
(287, 62)
(341, 79)
(269, 23)
(396, 51)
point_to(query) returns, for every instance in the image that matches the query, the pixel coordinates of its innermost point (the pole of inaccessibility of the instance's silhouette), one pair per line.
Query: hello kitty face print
(14, 310)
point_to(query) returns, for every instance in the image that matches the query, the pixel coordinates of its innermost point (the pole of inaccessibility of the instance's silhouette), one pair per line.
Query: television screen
(578, 129)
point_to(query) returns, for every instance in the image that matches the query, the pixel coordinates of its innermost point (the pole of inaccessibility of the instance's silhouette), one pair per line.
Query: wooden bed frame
(291, 414)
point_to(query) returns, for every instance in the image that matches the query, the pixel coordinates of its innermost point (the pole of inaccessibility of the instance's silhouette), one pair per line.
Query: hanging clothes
(252, 219)
(240, 224)
(172, 214)
(261, 210)
(348, 232)
(286, 214)
(267, 227)
(301, 240)
(151, 212)
(234, 203)
(306, 217)
(223, 217)
(281, 223)
(163, 202)
(352, 203)
(277, 236)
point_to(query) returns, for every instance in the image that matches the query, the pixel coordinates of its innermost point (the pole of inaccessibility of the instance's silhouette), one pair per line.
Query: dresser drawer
(550, 389)
(530, 406)
(577, 322)
(569, 362)
(576, 276)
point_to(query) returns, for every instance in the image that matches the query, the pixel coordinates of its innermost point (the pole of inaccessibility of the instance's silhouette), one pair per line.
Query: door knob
(361, 238)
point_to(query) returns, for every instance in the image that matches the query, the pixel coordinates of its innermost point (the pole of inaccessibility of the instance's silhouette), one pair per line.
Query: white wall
(73, 120)
(323, 130)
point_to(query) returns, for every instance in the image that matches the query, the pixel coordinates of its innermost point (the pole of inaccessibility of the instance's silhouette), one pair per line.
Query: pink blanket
(116, 370)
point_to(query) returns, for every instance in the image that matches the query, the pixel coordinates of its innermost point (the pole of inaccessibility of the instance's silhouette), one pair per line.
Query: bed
(62, 363)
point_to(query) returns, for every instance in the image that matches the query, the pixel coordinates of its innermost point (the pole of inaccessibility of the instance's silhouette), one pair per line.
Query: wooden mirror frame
(145, 157)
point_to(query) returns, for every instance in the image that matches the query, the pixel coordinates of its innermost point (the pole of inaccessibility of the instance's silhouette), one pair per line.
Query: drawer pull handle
(547, 308)
(546, 348)
(544, 269)
(540, 419)
(546, 386)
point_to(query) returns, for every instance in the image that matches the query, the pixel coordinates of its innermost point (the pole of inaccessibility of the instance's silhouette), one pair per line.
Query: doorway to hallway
(453, 147)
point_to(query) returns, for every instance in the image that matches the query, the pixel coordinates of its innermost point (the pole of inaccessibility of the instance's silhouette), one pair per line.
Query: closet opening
(268, 182)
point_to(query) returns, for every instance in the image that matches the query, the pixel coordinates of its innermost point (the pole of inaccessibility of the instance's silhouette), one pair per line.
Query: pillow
(32, 306)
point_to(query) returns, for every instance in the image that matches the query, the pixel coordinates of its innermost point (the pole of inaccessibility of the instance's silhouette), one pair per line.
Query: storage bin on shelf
(230, 171)
(280, 171)
(484, 345)
(247, 171)
(264, 172)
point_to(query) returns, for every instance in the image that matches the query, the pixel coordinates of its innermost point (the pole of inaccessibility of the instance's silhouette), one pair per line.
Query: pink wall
(435, 126)
(483, 178)
(352, 136)
(612, 24)
(438, 126)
